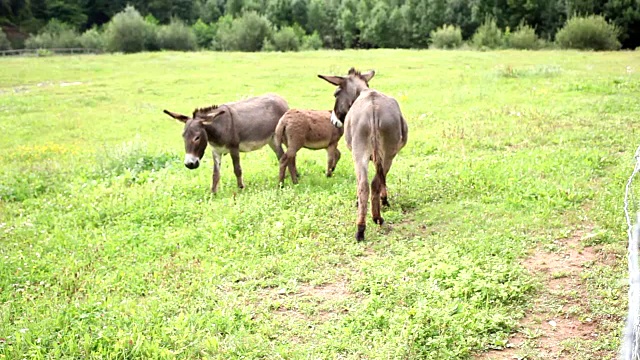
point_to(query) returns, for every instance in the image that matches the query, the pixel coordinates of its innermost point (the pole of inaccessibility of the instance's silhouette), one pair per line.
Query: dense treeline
(252, 25)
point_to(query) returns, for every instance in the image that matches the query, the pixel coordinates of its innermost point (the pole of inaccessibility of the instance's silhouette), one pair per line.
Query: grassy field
(111, 248)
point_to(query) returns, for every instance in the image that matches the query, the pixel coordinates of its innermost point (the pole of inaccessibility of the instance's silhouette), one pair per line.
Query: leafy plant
(246, 33)
(4, 41)
(286, 39)
(93, 39)
(524, 38)
(55, 34)
(588, 33)
(177, 36)
(488, 35)
(129, 32)
(446, 37)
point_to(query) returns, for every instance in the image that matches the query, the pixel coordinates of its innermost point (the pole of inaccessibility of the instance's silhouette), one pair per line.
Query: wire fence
(45, 52)
(630, 349)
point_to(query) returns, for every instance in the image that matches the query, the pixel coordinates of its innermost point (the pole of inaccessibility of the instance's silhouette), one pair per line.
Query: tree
(211, 11)
(70, 12)
(299, 12)
(626, 15)
(280, 12)
(347, 28)
(322, 17)
(233, 7)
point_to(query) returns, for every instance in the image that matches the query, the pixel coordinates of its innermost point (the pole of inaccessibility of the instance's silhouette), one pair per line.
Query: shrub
(151, 41)
(204, 33)
(488, 35)
(311, 42)
(129, 32)
(4, 41)
(524, 38)
(92, 39)
(246, 33)
(588, 33)
(177, 36)
(267, 45)
(446, 37)
(55, 34)
(286, 40)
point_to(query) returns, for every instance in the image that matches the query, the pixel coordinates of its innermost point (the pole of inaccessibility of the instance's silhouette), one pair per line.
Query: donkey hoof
(385, 202)
(378, 220)
(360, 233)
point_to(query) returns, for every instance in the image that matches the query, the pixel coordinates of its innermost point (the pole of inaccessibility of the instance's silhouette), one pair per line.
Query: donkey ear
(177, 116)
(210, 117)
(335, 80)
(369, 75)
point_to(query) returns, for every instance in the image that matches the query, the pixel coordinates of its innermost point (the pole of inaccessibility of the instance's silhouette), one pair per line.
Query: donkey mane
(357, 73)
(203, 111)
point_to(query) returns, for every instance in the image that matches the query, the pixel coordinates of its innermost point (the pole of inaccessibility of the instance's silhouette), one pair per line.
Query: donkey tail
(377, 148)
(280, 133)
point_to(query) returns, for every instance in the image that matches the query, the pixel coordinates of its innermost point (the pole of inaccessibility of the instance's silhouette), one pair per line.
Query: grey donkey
(374, 130)
(310, 129)
(231, 128)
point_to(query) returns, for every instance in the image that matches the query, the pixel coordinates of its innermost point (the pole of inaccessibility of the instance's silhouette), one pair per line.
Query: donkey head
(195, 133)
(349, 88)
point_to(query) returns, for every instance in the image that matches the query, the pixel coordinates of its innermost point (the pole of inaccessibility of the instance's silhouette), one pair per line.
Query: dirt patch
(335, 291)
(558, 312)
(311, 303)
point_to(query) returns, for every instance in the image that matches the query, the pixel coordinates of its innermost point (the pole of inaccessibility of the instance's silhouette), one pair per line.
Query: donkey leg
(235, 156)
(284, 160)
(333, 155)
(216, 172)
(361, 168)
(383, 192)
(376, 187)
(292, 166)
(276, 149)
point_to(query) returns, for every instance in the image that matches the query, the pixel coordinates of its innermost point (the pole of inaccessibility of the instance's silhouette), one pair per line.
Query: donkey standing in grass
(310, 129)
(374, 130)
(241, 126)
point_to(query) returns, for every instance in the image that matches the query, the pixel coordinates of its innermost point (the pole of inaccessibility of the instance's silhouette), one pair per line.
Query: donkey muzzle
(335, 121)
(191, 162)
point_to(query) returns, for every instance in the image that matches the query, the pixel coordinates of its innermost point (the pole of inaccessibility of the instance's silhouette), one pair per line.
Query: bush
(177, 36)
(151, 41)
(55, 34)
(4, 41)
(286, 40)
(311, 42)
(204, 33)
(129, 32)
(446, 37)
(246, 33)
(588, 33)
(488, 35)
(92, 39)
(524, 38)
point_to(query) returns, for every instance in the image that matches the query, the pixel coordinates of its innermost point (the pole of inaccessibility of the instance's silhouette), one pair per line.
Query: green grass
(111, 248)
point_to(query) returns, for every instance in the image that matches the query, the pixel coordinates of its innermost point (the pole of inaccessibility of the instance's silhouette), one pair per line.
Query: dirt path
(560, 314)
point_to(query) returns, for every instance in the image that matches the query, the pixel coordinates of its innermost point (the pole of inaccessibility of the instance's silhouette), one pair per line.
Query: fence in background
(42, 52)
